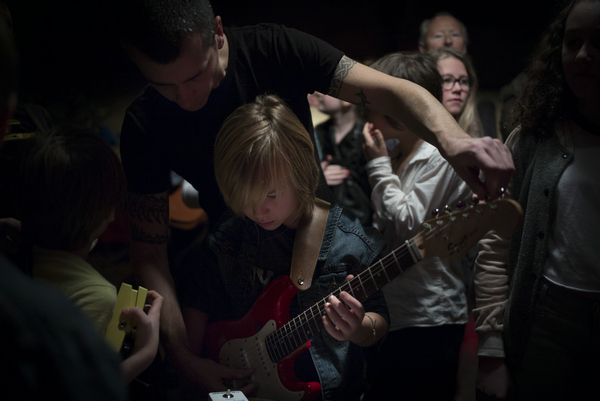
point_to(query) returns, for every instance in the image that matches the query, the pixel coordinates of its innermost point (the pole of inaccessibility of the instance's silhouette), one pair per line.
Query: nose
(261, 211)
(456, 87)
(584, 53)
(185, 96)
(448, 40)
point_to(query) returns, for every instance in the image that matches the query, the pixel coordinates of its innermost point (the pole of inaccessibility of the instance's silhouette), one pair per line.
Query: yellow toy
(120, 332)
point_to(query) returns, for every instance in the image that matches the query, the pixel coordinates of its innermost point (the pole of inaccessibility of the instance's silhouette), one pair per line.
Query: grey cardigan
(507, 292)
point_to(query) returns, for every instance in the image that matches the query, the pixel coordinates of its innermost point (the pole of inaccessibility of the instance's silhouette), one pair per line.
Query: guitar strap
(307, 245)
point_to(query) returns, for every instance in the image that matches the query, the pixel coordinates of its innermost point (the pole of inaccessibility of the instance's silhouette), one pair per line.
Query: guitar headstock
(453, 235)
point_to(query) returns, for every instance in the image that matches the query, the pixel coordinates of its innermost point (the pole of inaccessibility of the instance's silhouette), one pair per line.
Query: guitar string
(288, 336)
(288, 339)
(282, 337)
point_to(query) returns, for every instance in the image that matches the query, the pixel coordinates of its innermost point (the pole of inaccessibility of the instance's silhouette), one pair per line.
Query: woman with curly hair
(538, 293)
(460, 88)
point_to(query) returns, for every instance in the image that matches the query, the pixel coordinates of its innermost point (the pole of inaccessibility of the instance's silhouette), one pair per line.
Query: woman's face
(581, 51)
(454, 73)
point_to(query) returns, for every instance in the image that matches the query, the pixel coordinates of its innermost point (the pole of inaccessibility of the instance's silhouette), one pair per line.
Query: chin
(455, 112)
(194, 107)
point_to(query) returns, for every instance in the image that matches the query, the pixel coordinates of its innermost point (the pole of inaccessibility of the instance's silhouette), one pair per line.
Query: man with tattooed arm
(199, 72)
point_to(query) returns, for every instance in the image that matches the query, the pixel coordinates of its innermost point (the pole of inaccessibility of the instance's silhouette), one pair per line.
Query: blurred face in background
(328, 104)
(444, 31)
(456, 85)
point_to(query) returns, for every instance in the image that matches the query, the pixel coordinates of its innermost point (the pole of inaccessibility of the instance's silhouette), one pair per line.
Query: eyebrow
(196, 75)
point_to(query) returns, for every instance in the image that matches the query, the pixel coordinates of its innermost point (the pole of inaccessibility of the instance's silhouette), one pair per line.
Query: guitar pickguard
(250, 353)
(241, 344)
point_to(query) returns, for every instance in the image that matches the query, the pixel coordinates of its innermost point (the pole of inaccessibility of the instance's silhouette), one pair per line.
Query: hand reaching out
(214, 377)
(470, 155)
(373, 143)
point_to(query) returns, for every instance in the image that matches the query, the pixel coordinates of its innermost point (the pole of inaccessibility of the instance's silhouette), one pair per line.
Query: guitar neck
(299, 330)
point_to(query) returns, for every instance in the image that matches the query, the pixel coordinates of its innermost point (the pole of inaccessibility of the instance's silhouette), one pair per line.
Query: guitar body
(240, 344)
(268, 342)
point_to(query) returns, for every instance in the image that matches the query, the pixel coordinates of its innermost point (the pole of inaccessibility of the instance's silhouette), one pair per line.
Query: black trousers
(415, 363)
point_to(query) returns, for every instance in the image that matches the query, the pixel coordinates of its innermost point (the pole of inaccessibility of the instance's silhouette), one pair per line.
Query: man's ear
(422, 47)
(219, 32)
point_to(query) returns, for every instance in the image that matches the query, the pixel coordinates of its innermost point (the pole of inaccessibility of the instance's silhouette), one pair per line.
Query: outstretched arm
(425, 116)
(149, 227)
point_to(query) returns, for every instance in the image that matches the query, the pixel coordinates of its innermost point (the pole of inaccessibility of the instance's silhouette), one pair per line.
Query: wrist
(372, 334)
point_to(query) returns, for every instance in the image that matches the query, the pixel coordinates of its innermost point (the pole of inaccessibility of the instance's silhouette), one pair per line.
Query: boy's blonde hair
(263, 147)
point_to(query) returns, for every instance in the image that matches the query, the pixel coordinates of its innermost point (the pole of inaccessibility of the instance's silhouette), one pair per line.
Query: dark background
(69, 56)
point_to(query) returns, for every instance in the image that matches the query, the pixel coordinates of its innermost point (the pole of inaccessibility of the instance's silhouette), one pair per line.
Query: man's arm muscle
(149, 228)
(427, 118)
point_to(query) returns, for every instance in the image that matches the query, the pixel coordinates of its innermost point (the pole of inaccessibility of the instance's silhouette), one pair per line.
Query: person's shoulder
(150, 108)
(349, 228)
(63, 340)
(428, 157)
(231, 229)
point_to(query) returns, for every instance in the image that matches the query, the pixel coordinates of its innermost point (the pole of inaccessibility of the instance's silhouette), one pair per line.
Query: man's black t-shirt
(159, 136)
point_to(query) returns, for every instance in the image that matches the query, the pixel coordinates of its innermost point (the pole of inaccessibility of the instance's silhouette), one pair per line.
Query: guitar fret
(277, 345)
(282, 340)
(362, 285)
(384, 270)
(304, 324)
(397, 263)
(374, 281)
(288, 340)
(293, 334)
(315, 318)
(296, 334)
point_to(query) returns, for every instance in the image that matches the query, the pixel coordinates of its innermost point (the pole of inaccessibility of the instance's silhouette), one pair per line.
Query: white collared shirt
(432, 292)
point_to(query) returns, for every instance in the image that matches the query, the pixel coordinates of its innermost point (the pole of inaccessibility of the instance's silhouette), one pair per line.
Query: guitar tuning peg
(460, 205)
(474, 200)
(447, 209)
(435, 212)
(501, 192)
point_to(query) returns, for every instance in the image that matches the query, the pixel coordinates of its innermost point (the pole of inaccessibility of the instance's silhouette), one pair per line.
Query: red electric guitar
(269, 342)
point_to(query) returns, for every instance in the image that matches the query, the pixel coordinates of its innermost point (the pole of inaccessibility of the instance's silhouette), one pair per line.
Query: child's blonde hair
(263, 147)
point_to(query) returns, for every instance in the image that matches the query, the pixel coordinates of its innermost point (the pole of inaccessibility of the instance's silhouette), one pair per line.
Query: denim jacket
(346, 249)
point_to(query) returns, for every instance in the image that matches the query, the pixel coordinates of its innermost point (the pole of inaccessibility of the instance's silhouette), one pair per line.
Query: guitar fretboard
(299, 330)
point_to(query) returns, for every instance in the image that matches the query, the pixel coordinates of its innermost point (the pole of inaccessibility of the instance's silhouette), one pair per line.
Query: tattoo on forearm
(150, 208)
(363, 99)
(137, 234)
(341, 72)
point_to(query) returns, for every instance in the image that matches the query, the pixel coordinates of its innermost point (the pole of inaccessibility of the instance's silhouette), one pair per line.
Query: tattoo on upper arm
(138, 234)
(148, 208)
(341, 72)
